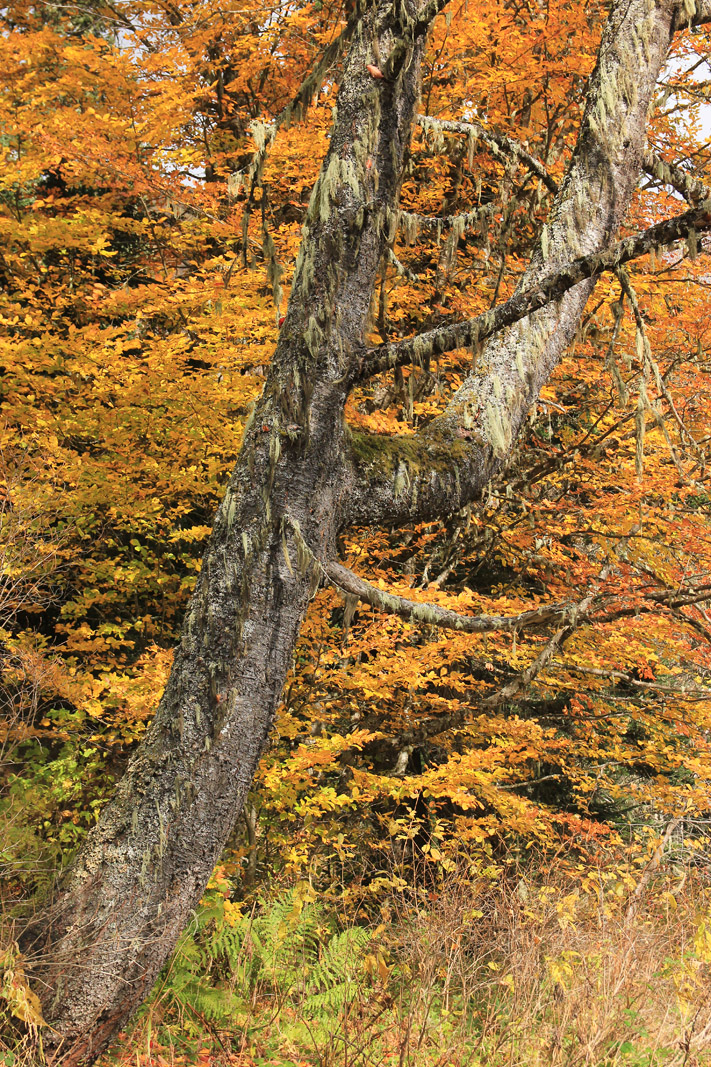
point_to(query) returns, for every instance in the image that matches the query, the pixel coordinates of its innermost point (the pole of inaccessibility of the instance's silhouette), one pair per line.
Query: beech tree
(303, 477)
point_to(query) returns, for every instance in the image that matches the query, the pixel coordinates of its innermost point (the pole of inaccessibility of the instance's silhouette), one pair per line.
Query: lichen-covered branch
(688, 13)
(411, 223)
(484, 417)
(679, 690)
(434, 615)
(670, 174)
(401, 269)
(264, 134)
(522, 304)
(576, 614)
(650, 364)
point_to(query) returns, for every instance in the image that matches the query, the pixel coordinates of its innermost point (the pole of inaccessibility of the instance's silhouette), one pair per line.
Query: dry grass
(492, 973)
(514, 972)
(548, 974)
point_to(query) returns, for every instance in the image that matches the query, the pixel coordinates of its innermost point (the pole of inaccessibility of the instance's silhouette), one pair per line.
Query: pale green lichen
(401, 481)
(544, 243)
(410, 225)
(235, 182)
(230, 510)
(145, 861)
(497, 429)
(263, 134)
(609, 91)
(313, 336)
(421, 349)
(692, 245)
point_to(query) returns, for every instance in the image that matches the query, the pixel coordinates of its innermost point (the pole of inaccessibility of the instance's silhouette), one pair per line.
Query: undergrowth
(477, 973)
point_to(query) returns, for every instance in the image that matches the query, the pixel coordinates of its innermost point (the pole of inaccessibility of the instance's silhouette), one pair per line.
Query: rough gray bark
(300, 478)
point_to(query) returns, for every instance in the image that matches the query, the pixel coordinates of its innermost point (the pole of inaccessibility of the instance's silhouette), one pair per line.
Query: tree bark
(300, 478)
(143, 869)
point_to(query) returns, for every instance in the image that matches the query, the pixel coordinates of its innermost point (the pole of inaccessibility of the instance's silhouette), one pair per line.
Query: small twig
(649, 870)
(499, 144)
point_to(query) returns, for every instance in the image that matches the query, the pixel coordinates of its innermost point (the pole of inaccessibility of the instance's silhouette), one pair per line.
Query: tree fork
(410, 479)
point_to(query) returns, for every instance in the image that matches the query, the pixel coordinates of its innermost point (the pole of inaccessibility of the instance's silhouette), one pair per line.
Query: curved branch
(433, 614)
(577, 613)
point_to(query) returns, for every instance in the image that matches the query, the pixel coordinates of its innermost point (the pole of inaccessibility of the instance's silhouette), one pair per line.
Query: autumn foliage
(151, 203)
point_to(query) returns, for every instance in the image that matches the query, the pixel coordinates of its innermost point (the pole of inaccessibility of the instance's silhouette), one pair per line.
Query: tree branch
(522, 304)
(628, 679)
(401, 269)
(691, 13)
(433, 614)
(670, 174)
(517, 685)
(500, 145)
(429, 12)
(410, 222)
(577, 612)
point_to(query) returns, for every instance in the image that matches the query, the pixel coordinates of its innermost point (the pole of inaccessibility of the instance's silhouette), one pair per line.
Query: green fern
(285, 952)
(332, 982)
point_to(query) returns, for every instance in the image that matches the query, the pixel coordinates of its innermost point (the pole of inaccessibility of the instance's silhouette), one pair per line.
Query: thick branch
(522, 304)
(433, 614)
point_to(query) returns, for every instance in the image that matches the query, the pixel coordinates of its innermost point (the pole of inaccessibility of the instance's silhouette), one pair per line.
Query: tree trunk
(143, 869)
(300, 478)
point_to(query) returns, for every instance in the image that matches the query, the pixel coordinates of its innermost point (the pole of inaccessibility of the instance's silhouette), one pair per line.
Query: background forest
(459, 848)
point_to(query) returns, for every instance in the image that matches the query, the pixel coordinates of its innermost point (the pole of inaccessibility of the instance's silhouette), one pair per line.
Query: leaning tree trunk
(144, 867)
(298, 482)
